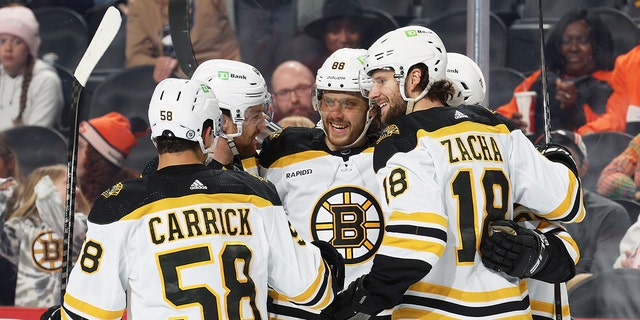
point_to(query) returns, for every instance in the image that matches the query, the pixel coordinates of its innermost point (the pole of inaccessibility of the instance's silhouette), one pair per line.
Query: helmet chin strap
(411, 102)
(232, 146)
(209, 151)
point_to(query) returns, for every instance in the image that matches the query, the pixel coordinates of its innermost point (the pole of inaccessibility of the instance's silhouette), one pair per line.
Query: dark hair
(100, 174)
(441, 90)
(599, 37)
(167, 144)
(171, 145)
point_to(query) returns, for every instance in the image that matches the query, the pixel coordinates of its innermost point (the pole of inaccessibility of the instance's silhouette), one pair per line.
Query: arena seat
(37, 146)
(610, 294)
(602, 147)
(63, 33)
(128, 92)
(502, 82)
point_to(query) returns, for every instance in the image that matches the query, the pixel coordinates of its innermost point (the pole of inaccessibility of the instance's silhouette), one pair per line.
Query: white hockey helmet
(238, 87)
(401, 49)
(339, 72)
(180, 107)
(467, 78)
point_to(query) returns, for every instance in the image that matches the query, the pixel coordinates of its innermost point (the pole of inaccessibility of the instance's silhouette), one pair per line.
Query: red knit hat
(111, 136)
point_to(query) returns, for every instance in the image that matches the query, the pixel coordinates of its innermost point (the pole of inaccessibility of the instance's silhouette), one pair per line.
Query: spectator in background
(30, 90)
(598, 236)
(291, 85)
(103, 146)
(579, 53)
(11, 179)
(149, 41)
(31, 237)
(621, 177)
(626, 89)
(344, 24)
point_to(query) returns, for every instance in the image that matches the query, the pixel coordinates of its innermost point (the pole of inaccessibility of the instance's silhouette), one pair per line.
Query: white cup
(526, 106)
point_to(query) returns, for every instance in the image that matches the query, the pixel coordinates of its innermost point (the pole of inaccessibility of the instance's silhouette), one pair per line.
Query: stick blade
(103, 37)
(179, 29)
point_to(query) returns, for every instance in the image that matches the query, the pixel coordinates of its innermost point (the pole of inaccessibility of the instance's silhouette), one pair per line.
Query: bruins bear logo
(349, 218)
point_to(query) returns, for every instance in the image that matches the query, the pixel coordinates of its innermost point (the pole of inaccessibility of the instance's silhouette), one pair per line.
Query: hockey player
(186, 241)
(545, 298)
(448, 173)
(246, 107)
(324, 176)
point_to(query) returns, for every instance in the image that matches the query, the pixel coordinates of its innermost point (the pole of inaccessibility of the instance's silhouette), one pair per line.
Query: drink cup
(526, 106)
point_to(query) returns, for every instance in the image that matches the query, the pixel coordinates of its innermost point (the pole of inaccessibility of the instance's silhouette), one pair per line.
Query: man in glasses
(324, 176)
(291, 84)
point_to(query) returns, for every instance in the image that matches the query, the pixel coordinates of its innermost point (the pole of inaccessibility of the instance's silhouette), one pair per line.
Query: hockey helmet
(180, 107)
(238, 87)
(401, 49)
(467, 78)
(339, 72)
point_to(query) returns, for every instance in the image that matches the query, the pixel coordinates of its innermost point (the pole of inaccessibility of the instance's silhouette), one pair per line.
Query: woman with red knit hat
(30, 89)
(103, 146)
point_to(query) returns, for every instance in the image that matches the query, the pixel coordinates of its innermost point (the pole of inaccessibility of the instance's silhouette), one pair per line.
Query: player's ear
(207, 136)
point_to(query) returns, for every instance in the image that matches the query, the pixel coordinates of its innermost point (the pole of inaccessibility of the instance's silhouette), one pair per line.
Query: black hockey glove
(53, 313)
(517, 251)
(335, 261)
(354, 303)
(558, 153)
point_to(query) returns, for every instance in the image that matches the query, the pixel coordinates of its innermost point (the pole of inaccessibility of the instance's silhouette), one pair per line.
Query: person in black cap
(342, 25)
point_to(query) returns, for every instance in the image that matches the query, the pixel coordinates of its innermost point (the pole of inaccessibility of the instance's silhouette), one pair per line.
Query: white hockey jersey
(328, 195)
(446, 173)
(548, 299)
(188, 242)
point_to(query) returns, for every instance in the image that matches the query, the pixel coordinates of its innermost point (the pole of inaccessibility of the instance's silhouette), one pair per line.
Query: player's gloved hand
(354, 303)
(53, 313)
(517, 251)
(558, 153)
(335, 261)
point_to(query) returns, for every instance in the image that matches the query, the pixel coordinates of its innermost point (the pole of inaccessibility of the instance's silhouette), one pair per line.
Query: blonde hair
(27, 208)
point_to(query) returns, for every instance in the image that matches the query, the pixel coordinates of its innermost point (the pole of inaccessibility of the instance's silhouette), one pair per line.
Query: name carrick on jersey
(188, 242)
(328, 195)
(446, 173)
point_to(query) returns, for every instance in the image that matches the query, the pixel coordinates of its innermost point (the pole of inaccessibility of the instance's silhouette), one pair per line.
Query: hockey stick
(557, 301)
(179, 30)
(543, 75)
(104, 35)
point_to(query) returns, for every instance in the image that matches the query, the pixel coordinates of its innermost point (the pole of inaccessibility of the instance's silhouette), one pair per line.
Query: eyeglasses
(299, 90)
(348, 104)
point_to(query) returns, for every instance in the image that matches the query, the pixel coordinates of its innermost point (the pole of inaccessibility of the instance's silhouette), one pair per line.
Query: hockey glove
(354, 303)
(558, 153)
(53, 313)
(517, 251)
(335, 261)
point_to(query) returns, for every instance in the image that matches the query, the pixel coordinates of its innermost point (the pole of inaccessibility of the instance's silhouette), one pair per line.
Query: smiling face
(344, 115)
(576, 49)
(342, 33)
(386, 94)
(253, 124)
